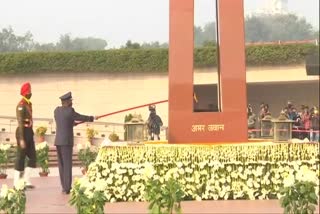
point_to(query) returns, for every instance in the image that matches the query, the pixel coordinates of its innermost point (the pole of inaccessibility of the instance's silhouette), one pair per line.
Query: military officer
(24, 136)
(65, 117)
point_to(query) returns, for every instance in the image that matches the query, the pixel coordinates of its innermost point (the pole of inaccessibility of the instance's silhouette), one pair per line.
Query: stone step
(53, 158)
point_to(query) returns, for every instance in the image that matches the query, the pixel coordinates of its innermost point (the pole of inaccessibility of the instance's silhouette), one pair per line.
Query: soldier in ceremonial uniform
(66, 117)
(154, 123)
(24, 136)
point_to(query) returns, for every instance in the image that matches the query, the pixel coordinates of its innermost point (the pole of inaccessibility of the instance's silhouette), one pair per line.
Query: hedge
(141, 60)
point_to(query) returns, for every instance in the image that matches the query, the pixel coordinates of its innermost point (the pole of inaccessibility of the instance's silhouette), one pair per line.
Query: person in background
(66, 117)
(314, 131)
(251, 120)
(24, 136)
(264, 111)
(154, 123)
(306, 122)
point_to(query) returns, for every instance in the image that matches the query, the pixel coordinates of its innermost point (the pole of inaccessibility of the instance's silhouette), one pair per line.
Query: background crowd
(305, 120)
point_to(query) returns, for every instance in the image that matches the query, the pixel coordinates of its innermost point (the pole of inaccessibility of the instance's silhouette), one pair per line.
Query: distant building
(278, 7)
(273, 7)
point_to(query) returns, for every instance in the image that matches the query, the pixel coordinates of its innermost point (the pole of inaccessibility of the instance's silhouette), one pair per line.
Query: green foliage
(154, 45)
(284, 27)
(43, 156)
(66, 43)
(127, 118)
(87, 156)
(278, 54)
(13, 200)
(91, 133)
(87, 204)
(124, 60)
(132, 45)
(164, 198)
(9, 42)
(205, 35)
(113, 137)
(4, 157)
(141, 60)
(41, 131)
(299, 198)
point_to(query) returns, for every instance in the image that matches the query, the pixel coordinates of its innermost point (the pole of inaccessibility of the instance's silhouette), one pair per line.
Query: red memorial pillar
(230, 124)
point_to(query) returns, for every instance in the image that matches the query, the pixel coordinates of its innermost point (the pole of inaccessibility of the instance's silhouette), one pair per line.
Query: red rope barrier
(308, 131)
(127, 109)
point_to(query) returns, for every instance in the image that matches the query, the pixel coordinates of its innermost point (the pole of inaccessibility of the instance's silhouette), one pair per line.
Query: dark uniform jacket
(315, 122)
(154, 123)
(65, 118)
(24, 117)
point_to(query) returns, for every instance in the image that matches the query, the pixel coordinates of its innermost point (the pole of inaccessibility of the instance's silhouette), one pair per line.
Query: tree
(205, 35)
(45, 47)
(154, 45)
(65, 43)
(285, 27)
(89, 43)
(130, 45)
(9, 42)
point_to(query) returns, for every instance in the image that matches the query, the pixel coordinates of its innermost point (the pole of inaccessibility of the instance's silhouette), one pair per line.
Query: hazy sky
(116, 21)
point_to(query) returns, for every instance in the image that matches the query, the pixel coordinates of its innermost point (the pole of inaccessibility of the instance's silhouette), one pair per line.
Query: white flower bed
(204, 172)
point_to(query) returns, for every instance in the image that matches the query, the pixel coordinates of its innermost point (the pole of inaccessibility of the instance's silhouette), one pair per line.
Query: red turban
(25, 89)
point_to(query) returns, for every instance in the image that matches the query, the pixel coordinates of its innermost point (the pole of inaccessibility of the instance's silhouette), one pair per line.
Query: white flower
(189, 170)
(88, 193)
(229, 179)
(240, 169)
(181, 171)
(79, 146)
(100, 184)
(222, 180)
(4, 191)
(256, 185)
(305, 174)
(202, 165)
(109, 180)
(234, 174)
(250, 182)
(149, 170)
(5, 147)
(10, 195)
(288, 180)
(125, 179)
(21, 184)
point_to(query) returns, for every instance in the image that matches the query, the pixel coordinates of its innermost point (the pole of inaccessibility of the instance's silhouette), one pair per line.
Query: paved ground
(76, 171)
(47, 198)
